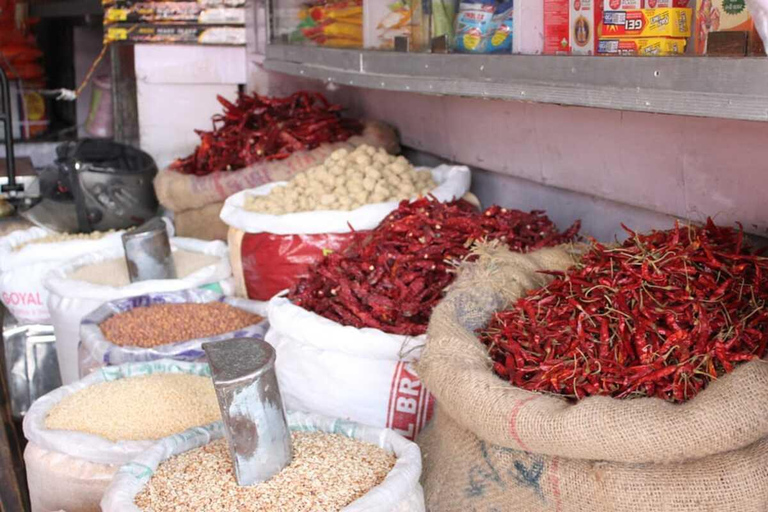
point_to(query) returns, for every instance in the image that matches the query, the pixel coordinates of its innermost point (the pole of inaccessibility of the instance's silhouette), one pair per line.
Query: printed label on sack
(410, 404)
(27, 306)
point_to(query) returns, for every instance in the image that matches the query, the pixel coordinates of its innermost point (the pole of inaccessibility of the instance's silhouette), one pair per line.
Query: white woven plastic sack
(22, 272)
(759, 11)
(399, 492)
(69, 301)
(452, 183)
(69, 470)
(96, 351)
(363, 375)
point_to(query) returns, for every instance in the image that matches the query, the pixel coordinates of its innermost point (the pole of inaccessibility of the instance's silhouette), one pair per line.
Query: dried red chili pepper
(257, 128)
(392, 277)
(661, 315)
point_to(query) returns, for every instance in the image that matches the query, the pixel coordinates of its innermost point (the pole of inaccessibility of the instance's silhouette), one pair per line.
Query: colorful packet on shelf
(483, 26)
(503, 21)
(176, 34)
(474, 25)
(668, 22)
(642, 46)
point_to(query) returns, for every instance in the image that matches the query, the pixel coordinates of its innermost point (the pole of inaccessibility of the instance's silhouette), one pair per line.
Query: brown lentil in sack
(496, 447)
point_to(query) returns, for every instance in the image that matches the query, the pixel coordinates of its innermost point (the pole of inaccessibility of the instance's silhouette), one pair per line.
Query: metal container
(31, 366)
(251, 406)
(148, 252)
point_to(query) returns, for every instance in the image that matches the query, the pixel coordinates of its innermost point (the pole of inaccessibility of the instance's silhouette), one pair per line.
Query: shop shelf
(732, 88)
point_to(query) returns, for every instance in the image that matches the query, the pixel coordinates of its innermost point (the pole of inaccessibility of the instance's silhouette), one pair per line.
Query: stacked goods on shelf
(79, 286)
(602, 377)
(616, 27)
(337, 465)
(183, 22)
(645, 32)
(347, 335)
(258, 140)
(80, 434)
(334, 23)
(277, 231)
(173, 12)
(164, 325)
(175, 34)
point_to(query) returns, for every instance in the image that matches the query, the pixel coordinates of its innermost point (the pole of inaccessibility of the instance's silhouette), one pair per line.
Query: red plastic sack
(271, 263)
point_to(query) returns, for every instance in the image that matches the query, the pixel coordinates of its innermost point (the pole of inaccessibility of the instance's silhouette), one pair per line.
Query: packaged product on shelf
(583, 20)
(176, 12)
(474, 25)
(205, 4)
(733, 25)
(26, 256)
(556, 27)
(79, 286)
(642, 46)
(348, 335)
(503, 32)
(632, 5)
(541, 450)
(656, 4)
(337, 465)
(623, 5)
(668, 22)
(80, 434)
(330, 23)
(384, 20)
(275, 235)
(164, 325)
(175, 34)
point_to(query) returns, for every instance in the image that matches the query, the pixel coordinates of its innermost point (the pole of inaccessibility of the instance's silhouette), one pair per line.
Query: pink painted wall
(682, 166)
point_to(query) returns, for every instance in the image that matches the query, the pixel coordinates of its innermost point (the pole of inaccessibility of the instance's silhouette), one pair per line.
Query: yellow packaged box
(641, 46)
(669, 22)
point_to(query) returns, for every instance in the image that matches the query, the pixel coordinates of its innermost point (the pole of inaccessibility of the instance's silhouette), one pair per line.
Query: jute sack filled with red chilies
(496, 447)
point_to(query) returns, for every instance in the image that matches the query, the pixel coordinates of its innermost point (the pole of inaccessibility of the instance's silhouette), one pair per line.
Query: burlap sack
(179, 192)
(201, 223)
(497, 447)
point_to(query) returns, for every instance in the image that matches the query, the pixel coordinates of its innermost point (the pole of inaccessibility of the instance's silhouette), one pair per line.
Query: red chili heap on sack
(258, 128)
(661, 315)
(392, 278)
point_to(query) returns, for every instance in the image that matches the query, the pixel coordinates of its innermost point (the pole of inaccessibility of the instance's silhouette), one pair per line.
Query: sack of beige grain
(277, 231)
(165, 325)
(80, 434)
(27, 256)
(80, 286)
(337, 465)
(493, 446)
(180, 192)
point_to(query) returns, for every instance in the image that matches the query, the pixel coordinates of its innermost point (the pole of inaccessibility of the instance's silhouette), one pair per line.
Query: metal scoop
(243, 371)
(148, 252)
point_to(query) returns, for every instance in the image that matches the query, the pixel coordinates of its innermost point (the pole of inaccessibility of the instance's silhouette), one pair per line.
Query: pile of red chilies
(392, 277)
(661, 315)
(258, 128)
